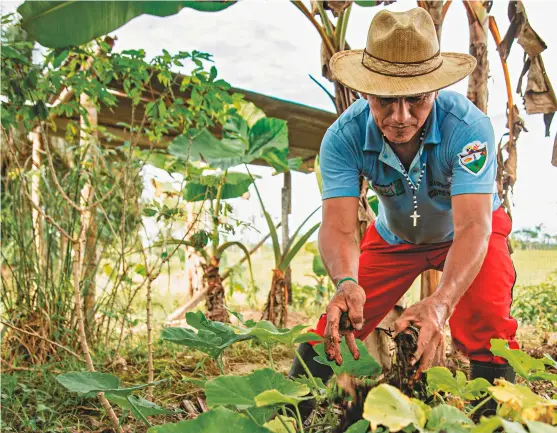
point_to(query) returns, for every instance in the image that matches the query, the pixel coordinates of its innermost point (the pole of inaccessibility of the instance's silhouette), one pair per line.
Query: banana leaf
(57, 24)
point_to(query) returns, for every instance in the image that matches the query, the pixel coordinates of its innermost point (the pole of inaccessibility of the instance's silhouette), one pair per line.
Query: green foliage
(266, 333)
(63, 23)
(365, 366)
(537, 304)
(441, 379)
(448, 418)
(207, 187)
(217, 420)
(210, 337)
(242, 392)
(385, 405)
(267, 139)
(90, 384)
(527, 367)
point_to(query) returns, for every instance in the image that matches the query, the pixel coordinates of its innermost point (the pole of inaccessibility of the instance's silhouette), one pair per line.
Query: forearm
(464, 260)
(339, 252)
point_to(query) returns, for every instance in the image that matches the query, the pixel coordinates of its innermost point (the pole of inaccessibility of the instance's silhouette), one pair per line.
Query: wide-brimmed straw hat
(401, 58)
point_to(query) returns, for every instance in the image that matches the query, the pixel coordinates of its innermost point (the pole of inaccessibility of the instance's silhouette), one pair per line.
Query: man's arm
(472, 215)
(340, 255)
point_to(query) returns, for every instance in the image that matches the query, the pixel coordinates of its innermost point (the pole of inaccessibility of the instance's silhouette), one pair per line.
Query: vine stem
(483, 402)
(306, 368)
(271, 357)
(299, 419)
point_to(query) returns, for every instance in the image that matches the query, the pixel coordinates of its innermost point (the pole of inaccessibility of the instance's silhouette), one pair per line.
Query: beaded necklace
(414, 186)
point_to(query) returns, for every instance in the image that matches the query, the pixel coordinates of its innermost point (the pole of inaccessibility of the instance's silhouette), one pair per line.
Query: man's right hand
(349, 298)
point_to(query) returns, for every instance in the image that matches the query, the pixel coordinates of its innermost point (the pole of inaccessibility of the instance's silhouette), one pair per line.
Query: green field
(532, 266)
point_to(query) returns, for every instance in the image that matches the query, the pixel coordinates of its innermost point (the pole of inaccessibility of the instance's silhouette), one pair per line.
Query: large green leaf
(540, 427)
(85, 382)
(267, 333)
(63, 23)
(211, 337)
(361, 426)
(219, 420)
(240, 391)
(274, 397)
(448, 418)
(206, 187)
(385, 405)
(524, 365)
(489, 425)
(240, 144)
(365, 366)
(441, 378)
(139, 406)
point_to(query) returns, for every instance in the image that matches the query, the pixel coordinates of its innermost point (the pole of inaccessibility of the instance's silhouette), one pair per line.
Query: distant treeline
(535, 238)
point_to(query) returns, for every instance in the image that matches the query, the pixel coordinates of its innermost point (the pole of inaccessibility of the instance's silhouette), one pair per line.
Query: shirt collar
(374, 138)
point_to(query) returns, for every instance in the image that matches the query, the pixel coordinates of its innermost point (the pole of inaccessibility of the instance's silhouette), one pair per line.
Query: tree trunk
(88, 142)
(286, 211)
(276, 309)
(478, 20)
(214, 299)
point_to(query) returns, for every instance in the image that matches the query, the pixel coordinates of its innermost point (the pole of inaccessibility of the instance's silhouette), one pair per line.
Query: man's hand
(349, 298)
(430, 315)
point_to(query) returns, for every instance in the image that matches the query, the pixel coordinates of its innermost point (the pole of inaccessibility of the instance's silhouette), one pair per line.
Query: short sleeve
(339, 167)
(473, 157)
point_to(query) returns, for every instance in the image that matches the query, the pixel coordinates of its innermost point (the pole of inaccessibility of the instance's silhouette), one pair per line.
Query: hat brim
(347, 68)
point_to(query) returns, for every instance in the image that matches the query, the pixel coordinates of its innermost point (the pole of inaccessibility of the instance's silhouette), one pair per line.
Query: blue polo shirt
(460, 156)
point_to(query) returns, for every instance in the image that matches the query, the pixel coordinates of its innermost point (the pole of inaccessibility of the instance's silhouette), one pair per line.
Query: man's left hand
(430, 315)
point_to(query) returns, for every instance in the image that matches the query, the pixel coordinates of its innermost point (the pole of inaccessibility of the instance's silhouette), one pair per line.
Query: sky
(268, 46)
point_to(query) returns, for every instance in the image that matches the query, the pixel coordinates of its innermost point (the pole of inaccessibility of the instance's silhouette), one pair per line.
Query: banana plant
(276, 308)
(247, 135)
(58, 24)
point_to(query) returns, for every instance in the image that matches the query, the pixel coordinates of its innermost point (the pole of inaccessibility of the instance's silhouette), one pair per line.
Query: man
(430, 157)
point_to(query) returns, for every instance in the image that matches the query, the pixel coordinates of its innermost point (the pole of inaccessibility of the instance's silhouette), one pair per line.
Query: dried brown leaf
(325, 58)
(520, 29)
(539, 96)
(336, 6)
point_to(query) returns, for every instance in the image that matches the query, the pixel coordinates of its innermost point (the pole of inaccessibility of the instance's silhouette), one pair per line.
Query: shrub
(537, 304)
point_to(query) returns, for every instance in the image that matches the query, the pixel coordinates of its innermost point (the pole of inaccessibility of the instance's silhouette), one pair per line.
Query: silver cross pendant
(415, 216)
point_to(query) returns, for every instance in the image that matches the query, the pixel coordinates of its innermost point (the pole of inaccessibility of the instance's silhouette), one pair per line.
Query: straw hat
(401, 58)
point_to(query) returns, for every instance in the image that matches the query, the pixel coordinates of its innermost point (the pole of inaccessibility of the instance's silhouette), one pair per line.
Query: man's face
(400, 119)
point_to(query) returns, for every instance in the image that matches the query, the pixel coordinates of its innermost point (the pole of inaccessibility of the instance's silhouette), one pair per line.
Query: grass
(532, 266)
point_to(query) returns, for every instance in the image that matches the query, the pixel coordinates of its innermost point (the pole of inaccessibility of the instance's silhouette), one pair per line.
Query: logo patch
(473, 157)
(390, 190)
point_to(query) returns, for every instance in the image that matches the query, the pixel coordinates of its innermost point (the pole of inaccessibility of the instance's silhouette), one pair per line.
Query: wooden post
(286, 211)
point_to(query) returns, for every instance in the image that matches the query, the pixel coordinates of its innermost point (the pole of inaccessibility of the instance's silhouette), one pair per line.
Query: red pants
(387, 271)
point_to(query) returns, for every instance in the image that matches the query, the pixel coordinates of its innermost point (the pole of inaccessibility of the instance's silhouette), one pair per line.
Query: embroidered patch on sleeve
(473, 157)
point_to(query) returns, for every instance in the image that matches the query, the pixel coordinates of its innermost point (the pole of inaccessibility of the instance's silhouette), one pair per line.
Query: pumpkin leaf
(365, 366)
(240, 391)
(385, 405)
(219, 420)
(441, 378)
